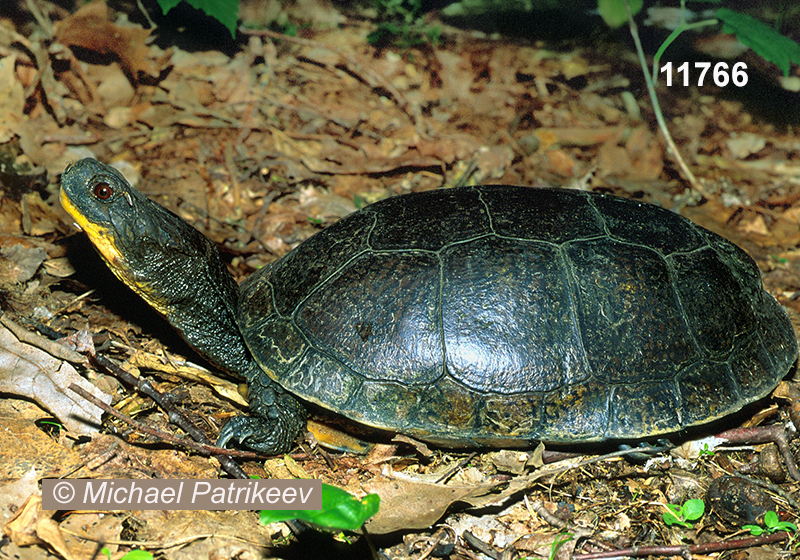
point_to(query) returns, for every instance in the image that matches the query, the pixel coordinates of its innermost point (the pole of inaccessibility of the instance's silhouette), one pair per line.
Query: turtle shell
(499, 315)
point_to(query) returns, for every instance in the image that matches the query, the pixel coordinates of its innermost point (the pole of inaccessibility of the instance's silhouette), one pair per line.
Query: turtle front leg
(277, 419)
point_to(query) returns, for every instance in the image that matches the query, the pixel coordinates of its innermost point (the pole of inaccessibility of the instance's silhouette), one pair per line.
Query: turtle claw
(258, 434)
(276, 422)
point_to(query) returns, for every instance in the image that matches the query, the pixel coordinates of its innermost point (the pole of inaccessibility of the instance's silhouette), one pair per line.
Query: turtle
(475, 316)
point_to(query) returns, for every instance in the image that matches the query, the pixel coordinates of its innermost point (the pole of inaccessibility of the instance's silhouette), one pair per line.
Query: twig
(53, 348)
(541, 511)
(681, 550)
(142, 9)
(65, 53)
(765, 434)
(695, 184)
(479, 545)
(224, 456)
(435, 539)
(161, 545)
(455, 469)
(175, 416)
(43, 22)
(138, 426)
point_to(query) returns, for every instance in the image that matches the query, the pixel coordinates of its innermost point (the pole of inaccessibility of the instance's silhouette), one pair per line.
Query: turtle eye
(102, 190)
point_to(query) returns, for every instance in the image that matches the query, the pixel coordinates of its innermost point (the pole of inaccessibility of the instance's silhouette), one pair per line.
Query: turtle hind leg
(276, 422)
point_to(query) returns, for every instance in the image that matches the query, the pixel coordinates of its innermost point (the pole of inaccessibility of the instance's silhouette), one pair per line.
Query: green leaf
(773, 523)
(614, 13)
(340, 511)
(706, 451)
(755, 530)
(224, 11)
(771, 519)
(671, 517)
(765, 41)
(693, 510)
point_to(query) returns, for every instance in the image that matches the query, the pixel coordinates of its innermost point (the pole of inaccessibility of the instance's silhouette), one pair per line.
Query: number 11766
(721, 73)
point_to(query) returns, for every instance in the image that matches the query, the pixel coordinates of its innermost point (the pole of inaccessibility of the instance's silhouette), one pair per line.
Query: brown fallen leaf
(83, 530)
(408, 504)
(420, 447)
(320, 204)
(13, 494)
(23, 446)
(32, 526)
(27, 371)
(19, 261)
(90, 28)
(12, 99)
(209, 534)
(511, 460)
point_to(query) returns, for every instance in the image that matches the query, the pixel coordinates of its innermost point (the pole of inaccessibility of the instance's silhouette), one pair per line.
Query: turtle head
(122, 223)
(97, 197)
(171, 265)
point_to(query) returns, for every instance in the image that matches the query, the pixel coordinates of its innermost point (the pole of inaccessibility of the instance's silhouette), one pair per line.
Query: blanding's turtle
(489, 315)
